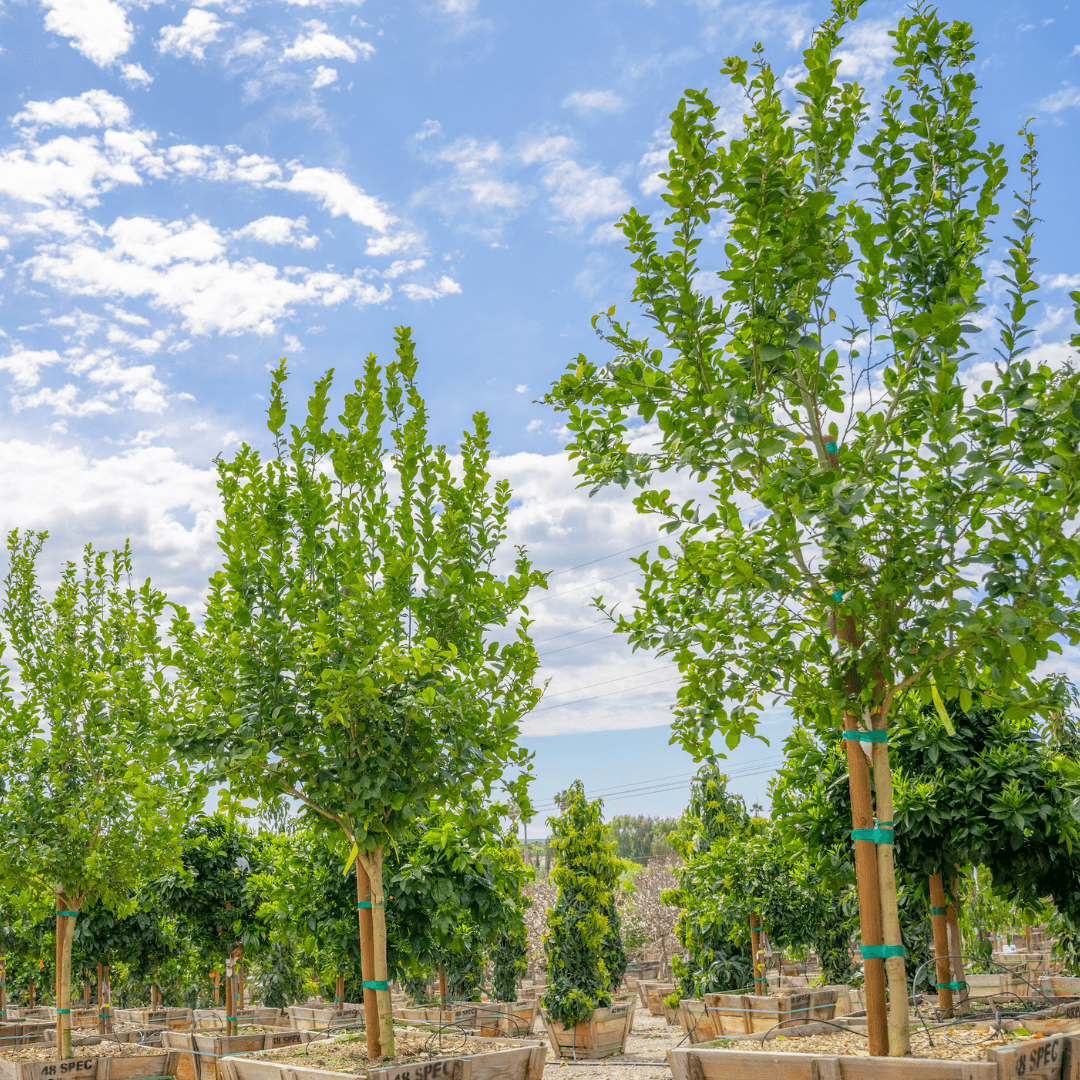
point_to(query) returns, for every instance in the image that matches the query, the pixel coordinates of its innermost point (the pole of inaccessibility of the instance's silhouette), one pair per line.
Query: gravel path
(650, 1039)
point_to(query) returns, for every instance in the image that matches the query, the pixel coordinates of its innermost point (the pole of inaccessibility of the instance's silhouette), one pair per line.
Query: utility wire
(606, 682)
(567, 633)
(580, 644)
(636, 547)
(624, 690)
(584, 585)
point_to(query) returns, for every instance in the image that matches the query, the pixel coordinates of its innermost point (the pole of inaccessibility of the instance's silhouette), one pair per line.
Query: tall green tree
(870, 521)
(91, 802)
(360, 651)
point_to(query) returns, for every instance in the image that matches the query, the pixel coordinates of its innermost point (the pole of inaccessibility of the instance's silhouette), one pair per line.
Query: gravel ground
(650, 1039)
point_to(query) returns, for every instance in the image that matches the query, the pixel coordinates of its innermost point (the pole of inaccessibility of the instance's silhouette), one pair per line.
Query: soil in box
(418, 1057)
(92, 1059)
(199, 1055)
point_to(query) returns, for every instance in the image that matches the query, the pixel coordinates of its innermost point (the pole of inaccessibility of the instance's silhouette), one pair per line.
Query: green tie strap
(69, 914)
(63, 1012)
(838, 595)
(830, 448)
(363, 904)
(939, 911)
(875, 836)
(232, 1018)
(376, 984)
(881, 952)
(953, 986)
(867, 736)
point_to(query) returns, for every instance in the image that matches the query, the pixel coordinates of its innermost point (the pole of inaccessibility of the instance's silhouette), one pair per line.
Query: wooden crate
(199, 1056)
(177, 1019)
(90, 1068)
(1055, 1058)
(655, 992)
(21, 1033)
(1060, 986)
(604, 1035)
(744, 1014)
(695, 1021)
(522, 1062)
(514, 1019)
(215, 1018)
(321, 1018)
(461, 1018)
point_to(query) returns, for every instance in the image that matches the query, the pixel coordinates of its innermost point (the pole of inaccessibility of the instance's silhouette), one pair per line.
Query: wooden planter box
(1058, 986)
(655, 992)
(524, 1062)
(695, 1021)
(1055, 1058)
(461, 1018)
(745, 1014)
(320, 1018)
(604, 1035)
(514, 1019)
(244, 1017)
(177, 1019)
(21, 1034)
(998, 986)
(90, 1068)
(199, 1056)
(643, 969)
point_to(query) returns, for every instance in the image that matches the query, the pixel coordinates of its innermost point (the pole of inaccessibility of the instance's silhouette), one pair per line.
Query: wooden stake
(3, 989)
(367, 962)
(230, 996)
(340, 990)
(217, 987)
(105, 997)
(239, 977)
(941, 943)
(378, 936)
(956, 948)
(64, 933)
(31, 993)
(866, 873)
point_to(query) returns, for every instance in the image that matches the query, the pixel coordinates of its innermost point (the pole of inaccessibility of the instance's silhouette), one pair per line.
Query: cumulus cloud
(94, 108)
(323, 76)
(181, 267)
(319, 44)
(587, 101)
(1068, 97)
(198, 29)
(581, 194)
(443, 287)
(135, 75)
(279, 230)
(98, 29)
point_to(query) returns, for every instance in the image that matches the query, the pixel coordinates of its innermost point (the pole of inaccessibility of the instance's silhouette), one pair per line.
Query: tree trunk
(339, 990)
(31, 993)
(760, 982)
(240, 977)
(230, 996)
(3, 989)
(105, 998)
(367, 961)
(956, 947)
(217, 989)
(866, 873)
(65, 928)
(890, 912)
(373, 865)
(941, 944)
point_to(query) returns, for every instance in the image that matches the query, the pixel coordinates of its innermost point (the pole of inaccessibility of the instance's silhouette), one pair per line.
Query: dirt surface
(650, 1039)
(102, 1049)
(349, 1054)
(952, 1044)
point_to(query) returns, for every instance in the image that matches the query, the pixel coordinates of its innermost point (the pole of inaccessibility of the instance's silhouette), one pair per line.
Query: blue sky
(191, 191)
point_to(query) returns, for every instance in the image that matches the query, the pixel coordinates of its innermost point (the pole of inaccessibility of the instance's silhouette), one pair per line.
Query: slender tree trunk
(239, 978)
(65, 927)
(230, 996)
(890, 911)
(378, 927)
(760, 982)
(956, 947)
(941, 944)
(367, 961)
(217, 989)
(105, 998)
(100, 998)
(31, 994)
(3, 989)
(866, 873)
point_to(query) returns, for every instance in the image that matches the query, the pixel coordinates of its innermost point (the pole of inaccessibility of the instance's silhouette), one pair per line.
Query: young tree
(586, 958)
(91, 804)
(876, 518)
(349, 656)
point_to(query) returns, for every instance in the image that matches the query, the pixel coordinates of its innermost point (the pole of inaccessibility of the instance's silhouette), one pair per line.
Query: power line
(606, 682)
(567, 633)
(584, 585)
(595, 697)
(580, 644)
(636, 547)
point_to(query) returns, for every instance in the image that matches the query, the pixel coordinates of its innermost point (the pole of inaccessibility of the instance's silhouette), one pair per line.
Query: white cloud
(1076, 51)
(338, 195)
(279, 230)
(401, 266)
(1063, 281)
(98, 29)
(93, 108)
(586, 101)
(323, 76)
(522, 388)
(199, 29)
(24, 365)
(867, 52)
(1068, 97)
(293, 344)
(181, 267)
(427, 129)
(135, 75)
(320, 44)
(579, 194)
(443, 287)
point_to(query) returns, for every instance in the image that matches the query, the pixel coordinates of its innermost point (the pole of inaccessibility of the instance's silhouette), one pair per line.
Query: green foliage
(90, 797)
(848, 475)
(586, 958)
(510, 962)
(641, 838)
